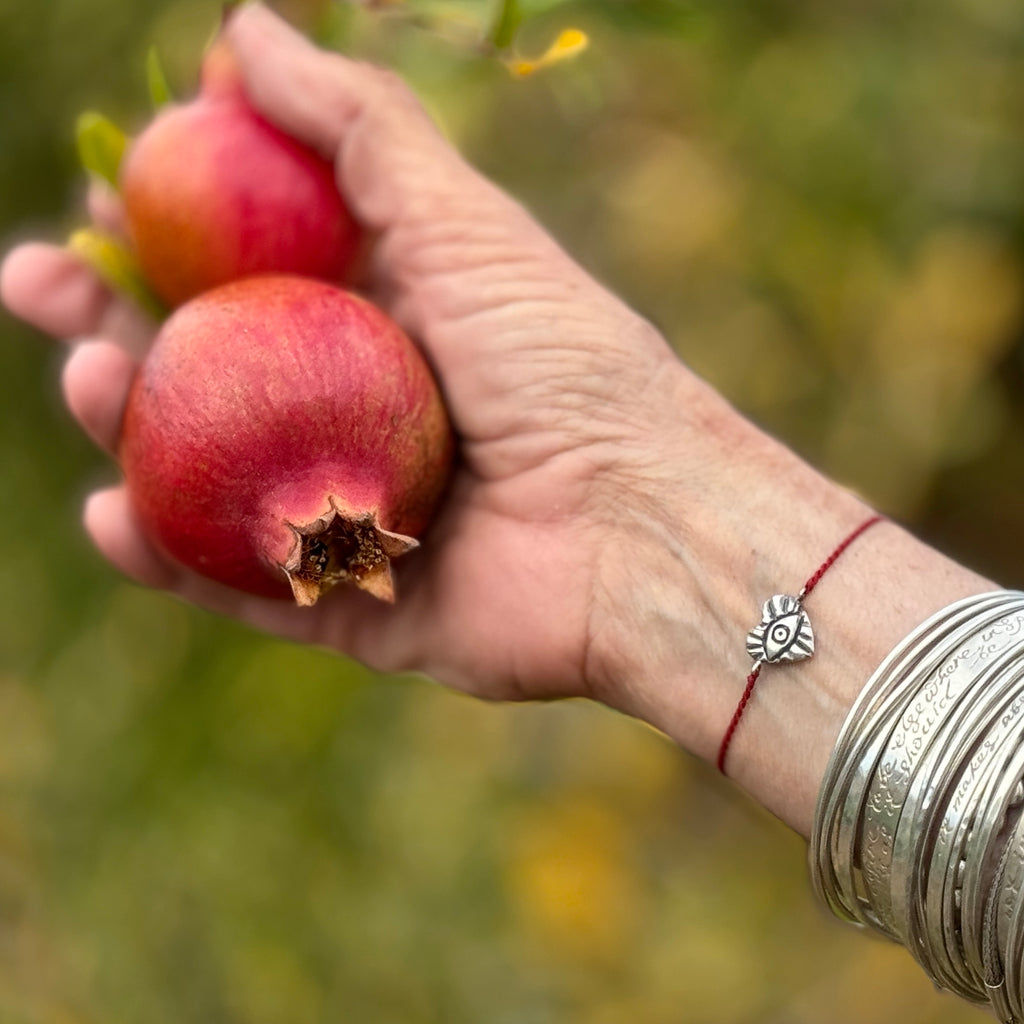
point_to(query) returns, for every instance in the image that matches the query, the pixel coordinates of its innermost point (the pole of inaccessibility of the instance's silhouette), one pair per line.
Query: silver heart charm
(784, 632)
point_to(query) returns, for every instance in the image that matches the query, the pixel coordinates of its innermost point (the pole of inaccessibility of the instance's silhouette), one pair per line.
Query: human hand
(554, 387)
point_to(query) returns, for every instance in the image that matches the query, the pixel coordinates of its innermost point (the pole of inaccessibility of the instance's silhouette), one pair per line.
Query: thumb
(390, 155)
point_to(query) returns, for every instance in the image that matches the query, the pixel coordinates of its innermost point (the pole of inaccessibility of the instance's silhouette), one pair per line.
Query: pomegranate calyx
(343, 546)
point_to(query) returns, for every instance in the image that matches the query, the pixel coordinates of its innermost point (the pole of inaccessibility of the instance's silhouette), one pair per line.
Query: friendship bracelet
(784, 633)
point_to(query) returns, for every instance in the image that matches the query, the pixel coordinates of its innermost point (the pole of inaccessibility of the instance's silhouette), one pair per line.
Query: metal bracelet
(919, 830)
(920, 730)
(860, 743)
(835, 874)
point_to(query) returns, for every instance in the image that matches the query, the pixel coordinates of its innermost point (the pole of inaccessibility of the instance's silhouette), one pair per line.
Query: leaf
(510, 17)
(159, 91)
(570, 43)
(101, 145)
(117, 268)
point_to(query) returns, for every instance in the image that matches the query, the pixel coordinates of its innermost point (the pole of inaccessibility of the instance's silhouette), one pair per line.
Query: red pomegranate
(284, 435)
(214, 193)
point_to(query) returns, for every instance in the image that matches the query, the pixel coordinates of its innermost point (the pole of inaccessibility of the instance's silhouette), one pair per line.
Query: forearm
(710, 537)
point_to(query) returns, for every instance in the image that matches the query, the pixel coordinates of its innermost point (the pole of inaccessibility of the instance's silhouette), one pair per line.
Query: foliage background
(822, 206)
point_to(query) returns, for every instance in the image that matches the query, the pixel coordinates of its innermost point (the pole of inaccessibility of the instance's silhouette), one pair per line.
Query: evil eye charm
(783, 634)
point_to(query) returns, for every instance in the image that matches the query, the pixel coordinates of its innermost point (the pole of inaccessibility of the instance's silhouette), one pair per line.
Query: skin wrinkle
(520, 317)
(465, 245)
(485, 262)
(462, 244)
(599, 678)
(577, 437)
(437, 214)
(611, 679)
(430, 310)
(552, 457)
(474, 226)
(536, 324)
(505, 416)
(445, 305)
(594, 390)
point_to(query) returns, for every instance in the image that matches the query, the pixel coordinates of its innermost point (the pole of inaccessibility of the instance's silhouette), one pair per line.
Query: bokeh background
(822, 205)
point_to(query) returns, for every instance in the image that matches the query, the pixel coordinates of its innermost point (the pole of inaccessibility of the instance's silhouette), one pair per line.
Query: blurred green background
(822, 205)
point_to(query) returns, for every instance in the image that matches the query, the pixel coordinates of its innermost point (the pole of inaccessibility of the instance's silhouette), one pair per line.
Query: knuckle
(391, 88)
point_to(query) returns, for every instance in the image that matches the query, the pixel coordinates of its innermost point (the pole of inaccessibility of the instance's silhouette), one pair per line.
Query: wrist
(718, 520)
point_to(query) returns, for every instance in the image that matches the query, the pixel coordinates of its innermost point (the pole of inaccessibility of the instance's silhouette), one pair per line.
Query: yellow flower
(570, 43)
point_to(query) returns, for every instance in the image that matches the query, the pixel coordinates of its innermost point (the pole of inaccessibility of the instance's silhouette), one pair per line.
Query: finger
(96, 382)
(345, 619)
(110, 523)
(391, 153)
(52, 289)
(289, 79)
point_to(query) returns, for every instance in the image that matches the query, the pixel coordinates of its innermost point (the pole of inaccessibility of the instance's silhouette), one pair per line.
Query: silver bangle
(915, 737)
(836, 874)
(919, 830)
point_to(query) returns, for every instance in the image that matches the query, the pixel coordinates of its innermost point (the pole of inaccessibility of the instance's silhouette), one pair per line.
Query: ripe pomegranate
(285, 433)
(214, 193)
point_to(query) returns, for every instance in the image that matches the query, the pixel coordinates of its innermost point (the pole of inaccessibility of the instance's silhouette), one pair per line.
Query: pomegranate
(284, 435)
(213, 193)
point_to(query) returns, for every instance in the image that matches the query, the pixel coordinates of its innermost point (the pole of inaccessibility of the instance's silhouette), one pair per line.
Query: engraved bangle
(919, 658)
(940, 903)
(836, 876)
(945, 693)
(919, 830)
(968, 722)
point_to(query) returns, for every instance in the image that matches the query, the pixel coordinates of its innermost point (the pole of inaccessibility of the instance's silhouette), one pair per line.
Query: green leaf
(117, 267)
(510, 17)
(159, 91)
(101, 145)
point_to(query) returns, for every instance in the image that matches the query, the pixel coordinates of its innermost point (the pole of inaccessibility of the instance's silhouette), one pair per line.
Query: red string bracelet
(784, 633)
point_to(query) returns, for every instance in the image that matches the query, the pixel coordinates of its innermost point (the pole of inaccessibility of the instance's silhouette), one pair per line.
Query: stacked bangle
(918, 831)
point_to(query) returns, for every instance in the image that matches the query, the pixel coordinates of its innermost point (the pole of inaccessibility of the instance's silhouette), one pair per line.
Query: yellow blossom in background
(571, 42)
